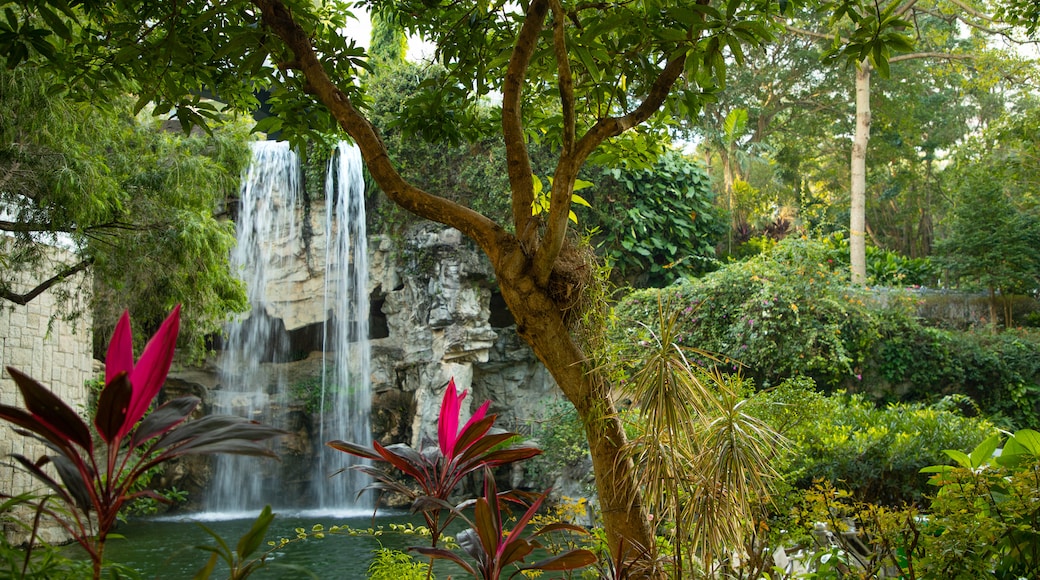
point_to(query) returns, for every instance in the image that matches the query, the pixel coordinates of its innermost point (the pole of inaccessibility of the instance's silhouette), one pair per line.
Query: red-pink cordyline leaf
(51, 411)
(120, 356)
(476, 418)
(448, 421)
(152, 368)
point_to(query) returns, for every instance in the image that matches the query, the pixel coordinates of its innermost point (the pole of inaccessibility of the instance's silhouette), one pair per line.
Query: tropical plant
(36, 560)
(98, 465)
(438, 470)
(396, 565)
(240, 562)
(494, 549)
(986, 512)
(705, 461)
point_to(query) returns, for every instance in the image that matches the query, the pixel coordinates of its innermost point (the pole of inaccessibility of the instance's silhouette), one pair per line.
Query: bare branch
(938, 55)
(811, 33)
(566, 82)
(517, 157)
(567, 169)
(23, 299)
(905, 8)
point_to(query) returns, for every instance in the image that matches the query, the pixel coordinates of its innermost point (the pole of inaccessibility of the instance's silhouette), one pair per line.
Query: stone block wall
(56, 353)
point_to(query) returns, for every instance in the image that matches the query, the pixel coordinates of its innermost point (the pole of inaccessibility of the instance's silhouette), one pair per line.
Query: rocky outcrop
(445, 320)
(435, 315)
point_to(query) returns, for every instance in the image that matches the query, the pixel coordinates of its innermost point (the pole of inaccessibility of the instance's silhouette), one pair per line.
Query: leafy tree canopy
(133, 202)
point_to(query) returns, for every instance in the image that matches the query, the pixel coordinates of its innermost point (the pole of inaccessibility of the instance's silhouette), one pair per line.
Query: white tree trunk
(858, 188)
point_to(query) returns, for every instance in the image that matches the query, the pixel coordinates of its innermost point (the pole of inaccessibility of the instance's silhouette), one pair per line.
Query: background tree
(992, 238)
(133, 202)
(916, 30)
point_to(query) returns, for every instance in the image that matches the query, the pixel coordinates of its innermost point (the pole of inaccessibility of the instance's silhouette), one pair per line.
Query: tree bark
(858, 187)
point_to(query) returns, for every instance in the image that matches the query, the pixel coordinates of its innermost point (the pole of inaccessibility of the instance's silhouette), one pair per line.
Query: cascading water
(346, 390)
(253, 383)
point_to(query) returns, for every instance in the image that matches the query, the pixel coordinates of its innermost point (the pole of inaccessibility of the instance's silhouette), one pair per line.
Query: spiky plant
(702, 458)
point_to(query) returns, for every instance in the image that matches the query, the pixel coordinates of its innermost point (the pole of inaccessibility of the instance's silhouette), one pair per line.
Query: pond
(165, 547)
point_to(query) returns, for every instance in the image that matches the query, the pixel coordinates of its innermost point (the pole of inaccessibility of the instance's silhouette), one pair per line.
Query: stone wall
(56, 353)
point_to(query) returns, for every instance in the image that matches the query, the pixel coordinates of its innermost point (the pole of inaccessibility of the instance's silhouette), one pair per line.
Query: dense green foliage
(134, 203)
(777, 314)
(875, 452)
(656, 225)
(1000, 372)
(982, 522)
(991, 243)
(787, 313)
(452, 160)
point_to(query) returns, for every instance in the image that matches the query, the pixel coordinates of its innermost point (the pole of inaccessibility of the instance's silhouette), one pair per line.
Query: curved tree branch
(567, 169)
(482, 230)
(517, 157)
(23, 299)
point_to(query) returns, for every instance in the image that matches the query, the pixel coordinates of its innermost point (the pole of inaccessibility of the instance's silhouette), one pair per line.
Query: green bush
(875, 452)
(563, 443)
(788, 313)
(659, 224)
(779, 314)
(1000, 372)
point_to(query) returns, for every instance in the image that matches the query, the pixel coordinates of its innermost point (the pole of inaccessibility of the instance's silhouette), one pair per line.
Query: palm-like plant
(97, 468)
(702, 458)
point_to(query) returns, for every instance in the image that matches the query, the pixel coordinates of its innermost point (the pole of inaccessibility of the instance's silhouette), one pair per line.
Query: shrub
(1000, 372)
(778, 315)
(875, 452)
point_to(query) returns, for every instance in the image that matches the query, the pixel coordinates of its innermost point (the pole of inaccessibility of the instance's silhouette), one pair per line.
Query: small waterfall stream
(253, 384)
(346, 391)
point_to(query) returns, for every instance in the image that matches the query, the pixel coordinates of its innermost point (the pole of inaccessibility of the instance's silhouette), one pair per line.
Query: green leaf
(253, 538)
(54, 21)
(590, 64)
(1029, 439)
(960, 457)
(984, 451)
(206, 570)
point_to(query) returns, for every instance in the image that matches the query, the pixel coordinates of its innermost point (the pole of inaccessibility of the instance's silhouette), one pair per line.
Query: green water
(164, 548)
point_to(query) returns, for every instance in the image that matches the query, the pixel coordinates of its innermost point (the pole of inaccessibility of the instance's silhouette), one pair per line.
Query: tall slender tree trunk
(858, 187)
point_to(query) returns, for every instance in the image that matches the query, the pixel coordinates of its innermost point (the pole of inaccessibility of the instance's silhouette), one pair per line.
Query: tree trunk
(541, 325)
(858, 187)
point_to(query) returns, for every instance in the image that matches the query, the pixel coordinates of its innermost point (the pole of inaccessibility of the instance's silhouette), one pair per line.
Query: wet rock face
(436, 315)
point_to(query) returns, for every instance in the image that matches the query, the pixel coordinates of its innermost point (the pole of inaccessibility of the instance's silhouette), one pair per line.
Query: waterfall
(254, 382)
(346, 387)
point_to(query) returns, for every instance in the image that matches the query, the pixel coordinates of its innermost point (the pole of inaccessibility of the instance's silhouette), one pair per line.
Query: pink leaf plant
(98, 470)
(437, 471)
(494, 549)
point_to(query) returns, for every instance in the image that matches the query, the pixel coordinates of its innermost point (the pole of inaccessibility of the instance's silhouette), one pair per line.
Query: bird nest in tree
(572, 274)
